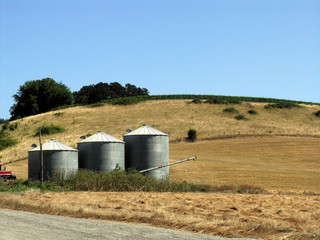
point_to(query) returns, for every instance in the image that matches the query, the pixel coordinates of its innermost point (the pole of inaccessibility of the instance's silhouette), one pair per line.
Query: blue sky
(259, 48)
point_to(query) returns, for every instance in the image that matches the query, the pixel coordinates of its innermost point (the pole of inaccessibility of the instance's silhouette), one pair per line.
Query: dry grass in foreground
(237, 215)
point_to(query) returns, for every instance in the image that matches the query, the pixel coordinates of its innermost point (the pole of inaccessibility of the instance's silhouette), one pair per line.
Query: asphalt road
(25, 225)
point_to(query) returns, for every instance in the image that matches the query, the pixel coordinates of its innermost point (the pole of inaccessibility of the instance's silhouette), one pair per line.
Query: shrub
(317, 114)
(241, 117)
(220, 100)
(196, 101)
(6, 142)
(252, 112)
(192, 135)
(126, 100)
(13, 127)
(282, 105)
(5, 125)
(64, 107)
(47, 130)
(99, 104)
(230, 110)
(58, 114)
(119, 181)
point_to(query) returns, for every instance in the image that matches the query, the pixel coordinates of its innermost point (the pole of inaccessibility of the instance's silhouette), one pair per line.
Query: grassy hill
(279, 144)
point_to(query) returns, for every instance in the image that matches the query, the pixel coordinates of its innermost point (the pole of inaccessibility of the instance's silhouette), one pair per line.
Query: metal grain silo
(145, 148)
(57, 157)
(101, 152)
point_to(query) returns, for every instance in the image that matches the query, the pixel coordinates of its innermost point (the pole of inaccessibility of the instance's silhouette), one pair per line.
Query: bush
(192, 135)
(221, 100)
(100, 104)
(6, 142)
(196, 101)
(252, 112)
(317, 114)
(282, 105)
(13, 127)
(58, 114)
(241, 117)
(126, 100)
(230, 110)
(47, 130)
(119, 181)
(5, 125)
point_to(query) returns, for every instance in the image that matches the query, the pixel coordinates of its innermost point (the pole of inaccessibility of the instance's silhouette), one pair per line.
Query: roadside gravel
(25, 225)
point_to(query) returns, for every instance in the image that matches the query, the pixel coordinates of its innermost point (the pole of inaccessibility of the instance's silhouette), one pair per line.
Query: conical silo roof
(54, 145)
(101, 137)
(146, 130)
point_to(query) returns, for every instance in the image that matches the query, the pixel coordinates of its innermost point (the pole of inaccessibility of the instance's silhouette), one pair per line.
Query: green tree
(192, 135)
(103, 91)
(132, 90)
(39, 96)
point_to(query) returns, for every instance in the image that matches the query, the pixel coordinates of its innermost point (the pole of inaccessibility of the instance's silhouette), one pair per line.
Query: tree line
(39, 96)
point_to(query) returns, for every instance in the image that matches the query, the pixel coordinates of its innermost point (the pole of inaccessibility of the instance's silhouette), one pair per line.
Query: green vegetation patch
(58, 114)
(118, 181)
(317, 114)
(48, 130)
(18, 185)
(241, 117)
(126, 100)
(282, 105)
(252, 112)
(225, 99)
(100, 104)
(196, 101)
(13, 126)
(192, 135)
(230, 110)
(5, 126)
(5, 140)
(222, 100)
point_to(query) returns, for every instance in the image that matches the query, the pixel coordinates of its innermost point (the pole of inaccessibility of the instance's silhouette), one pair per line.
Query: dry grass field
(277, 150)
(237, 215)
(277, 164)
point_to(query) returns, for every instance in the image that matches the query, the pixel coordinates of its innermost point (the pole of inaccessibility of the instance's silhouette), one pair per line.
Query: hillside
(297, 127)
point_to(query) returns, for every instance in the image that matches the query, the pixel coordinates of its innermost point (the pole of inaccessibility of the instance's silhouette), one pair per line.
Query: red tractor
(6, 175)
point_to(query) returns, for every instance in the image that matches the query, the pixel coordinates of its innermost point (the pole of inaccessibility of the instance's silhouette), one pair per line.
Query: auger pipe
(168, 164)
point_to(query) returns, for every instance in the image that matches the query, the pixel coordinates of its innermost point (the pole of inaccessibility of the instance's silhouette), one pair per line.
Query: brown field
(237, 215)
(277, 164)
(277, 150)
